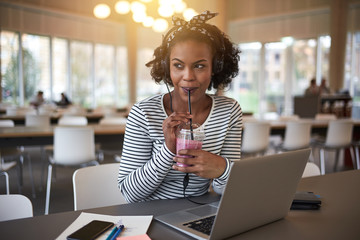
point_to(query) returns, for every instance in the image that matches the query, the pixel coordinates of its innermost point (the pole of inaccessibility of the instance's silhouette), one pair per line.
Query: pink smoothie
(186, 144)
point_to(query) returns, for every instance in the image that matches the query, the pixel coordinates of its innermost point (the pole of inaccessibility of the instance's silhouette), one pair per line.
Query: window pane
(274, 77)
(244, 88)
(325, 43)
(122, 85)
(60, 68)
(104, 75)
(304, 64)
(9, 67)
(36, 60)
(146, 86)
(81, 82)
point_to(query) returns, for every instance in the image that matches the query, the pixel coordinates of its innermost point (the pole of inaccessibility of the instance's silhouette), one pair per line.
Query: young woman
(193, 57)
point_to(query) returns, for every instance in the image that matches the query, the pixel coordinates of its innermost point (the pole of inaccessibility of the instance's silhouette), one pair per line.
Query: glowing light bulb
(160, 25)
(102, 11)
(189, 13)
(166, 11)
(148, 21)
(122, 7)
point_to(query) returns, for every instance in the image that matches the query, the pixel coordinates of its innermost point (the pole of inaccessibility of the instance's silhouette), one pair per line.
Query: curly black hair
(226, 55)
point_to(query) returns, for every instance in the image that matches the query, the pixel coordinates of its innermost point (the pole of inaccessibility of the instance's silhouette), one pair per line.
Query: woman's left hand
(202, 163)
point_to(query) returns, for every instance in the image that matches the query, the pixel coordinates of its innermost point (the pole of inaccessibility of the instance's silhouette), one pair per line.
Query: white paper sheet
(134, 225)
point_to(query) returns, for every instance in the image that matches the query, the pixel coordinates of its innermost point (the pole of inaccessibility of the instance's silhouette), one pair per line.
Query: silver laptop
(259, 191)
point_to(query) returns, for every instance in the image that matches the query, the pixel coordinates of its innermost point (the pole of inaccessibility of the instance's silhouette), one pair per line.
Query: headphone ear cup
(218, 65)
(165, 66)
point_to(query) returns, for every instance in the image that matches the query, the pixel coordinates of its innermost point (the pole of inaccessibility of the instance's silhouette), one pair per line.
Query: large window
(304, 64)
(272, 73)
(60, 68)
(91, 74)
(104, 74)
(81, 73)
(36, 65)
(275, 76)
(245, 87)
(10, 84)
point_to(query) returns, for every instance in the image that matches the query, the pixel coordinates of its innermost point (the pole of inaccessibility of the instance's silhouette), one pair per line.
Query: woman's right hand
(169, 127)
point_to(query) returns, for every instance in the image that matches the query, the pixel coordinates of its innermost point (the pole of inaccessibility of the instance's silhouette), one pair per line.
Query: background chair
(73, 147)
(15, 206)
(69, 120)
(111, 148)
(338, 138)
(32, 120)
(96, 186)
(15, 153)
(4, 168)
(297, 136)
(325, 116)
(311, 169)
(255, 138)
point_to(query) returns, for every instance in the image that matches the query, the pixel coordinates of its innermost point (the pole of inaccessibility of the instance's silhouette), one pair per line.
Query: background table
(338, 218)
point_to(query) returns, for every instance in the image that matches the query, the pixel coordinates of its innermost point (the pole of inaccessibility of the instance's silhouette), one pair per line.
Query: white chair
(297, 135)
(338, 137)
(15, 153)
(112, 148)
(19, 111)
(356, 146)
(15, 206)
(74, 110)
(325, 116)
(97, 186)
(74, 147)
(4, 168)
(113, 121)
(255, 139)
(69, 120)
(293, 117)
(32, 120)
(311, 169)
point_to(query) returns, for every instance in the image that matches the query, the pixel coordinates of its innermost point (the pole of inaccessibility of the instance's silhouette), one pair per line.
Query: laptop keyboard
(203, 225)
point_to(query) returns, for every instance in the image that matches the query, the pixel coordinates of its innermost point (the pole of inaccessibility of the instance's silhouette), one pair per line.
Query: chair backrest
(325, 116)
(32, 120)
(19, 111)
(311, 169)
(73, 145)
(112, 121)
(255, 136)
(72, 121)
(74, 110)
(7, 123)
(289, 117)
(297, 135)
(15, 206)
(339, 133)
(96, 186)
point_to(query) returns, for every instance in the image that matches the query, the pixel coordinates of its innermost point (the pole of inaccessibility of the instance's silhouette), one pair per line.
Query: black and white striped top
(146, 164)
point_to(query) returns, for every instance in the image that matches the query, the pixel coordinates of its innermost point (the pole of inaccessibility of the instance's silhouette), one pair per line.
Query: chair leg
(353, 157)
(31, 177)
(357, 165)
(337, 155)
(48, 186)
(6, 181)
(322, 161)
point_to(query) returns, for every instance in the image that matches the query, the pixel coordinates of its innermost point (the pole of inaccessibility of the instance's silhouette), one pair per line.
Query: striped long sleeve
(146, 164)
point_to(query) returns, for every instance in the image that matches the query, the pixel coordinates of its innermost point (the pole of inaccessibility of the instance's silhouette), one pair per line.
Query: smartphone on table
(91, 230)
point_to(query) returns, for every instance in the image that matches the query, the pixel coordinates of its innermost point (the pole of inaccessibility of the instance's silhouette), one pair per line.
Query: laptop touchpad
(203, 210)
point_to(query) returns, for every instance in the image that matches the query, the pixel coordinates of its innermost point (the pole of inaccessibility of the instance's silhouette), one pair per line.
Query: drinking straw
(191, 128)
